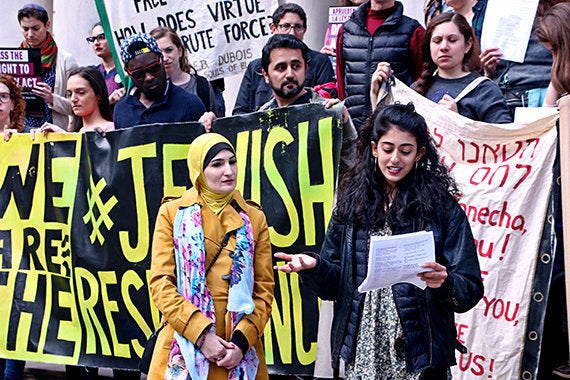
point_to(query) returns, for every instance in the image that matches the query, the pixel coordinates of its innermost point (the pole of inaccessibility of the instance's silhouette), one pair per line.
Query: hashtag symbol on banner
(99, 210)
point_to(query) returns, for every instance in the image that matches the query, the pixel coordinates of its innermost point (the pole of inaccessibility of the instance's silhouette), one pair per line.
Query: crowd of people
(212, 267)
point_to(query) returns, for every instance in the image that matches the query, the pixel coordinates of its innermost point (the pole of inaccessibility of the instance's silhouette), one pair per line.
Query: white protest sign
(221, 36)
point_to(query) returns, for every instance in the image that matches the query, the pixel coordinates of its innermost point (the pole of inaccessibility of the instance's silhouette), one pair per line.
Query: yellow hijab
(197, 156)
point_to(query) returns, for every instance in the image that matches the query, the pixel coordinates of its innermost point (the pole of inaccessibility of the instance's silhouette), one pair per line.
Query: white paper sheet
(398, 258)
(531, 114)
(507, 25)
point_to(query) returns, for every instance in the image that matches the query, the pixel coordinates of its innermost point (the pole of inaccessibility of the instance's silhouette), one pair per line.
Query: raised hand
(295, 263)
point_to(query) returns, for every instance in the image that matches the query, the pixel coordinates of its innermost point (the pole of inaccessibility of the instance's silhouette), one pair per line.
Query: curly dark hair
(19, 112)
(362, 197)
(471, 60)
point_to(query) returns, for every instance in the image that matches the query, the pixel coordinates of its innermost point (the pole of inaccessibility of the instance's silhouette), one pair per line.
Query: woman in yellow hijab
(211, 274)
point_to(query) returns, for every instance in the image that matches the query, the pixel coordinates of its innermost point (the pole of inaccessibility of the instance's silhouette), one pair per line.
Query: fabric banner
(221, 36)
(505, 172)
(77, 213)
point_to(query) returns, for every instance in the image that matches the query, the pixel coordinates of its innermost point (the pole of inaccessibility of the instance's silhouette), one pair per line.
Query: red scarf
(49, 52)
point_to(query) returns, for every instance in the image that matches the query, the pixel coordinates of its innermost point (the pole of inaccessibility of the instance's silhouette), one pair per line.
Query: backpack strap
(470, 87)
(203, 91)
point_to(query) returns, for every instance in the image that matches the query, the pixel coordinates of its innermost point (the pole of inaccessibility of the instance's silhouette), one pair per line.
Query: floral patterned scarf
(185, 360)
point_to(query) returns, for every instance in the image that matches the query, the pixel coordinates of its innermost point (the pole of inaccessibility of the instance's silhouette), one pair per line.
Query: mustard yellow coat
(182, 315)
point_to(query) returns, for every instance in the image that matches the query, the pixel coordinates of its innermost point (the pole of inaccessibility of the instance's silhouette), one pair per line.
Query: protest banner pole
(564, 106)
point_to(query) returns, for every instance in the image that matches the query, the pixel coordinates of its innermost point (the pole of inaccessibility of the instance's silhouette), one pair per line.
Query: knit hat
(138, 44)
(34, 6)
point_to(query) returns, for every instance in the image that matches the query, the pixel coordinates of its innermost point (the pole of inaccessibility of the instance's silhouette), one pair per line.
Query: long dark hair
(553, 29)
(471, 60)
(362, 198)
(95, 79)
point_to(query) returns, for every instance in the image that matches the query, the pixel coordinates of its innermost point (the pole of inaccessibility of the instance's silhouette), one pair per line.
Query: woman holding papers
(395, 186)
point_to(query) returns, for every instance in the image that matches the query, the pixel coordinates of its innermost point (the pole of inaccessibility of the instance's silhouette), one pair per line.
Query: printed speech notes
(398, 258)
(509, 31)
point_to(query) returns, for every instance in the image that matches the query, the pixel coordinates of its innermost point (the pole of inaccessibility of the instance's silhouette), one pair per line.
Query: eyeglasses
(286, 27)
(153, 69)
(99, 37)
(5, 97)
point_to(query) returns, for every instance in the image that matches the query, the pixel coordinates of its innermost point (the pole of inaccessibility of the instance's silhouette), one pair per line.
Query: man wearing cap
(154, 99)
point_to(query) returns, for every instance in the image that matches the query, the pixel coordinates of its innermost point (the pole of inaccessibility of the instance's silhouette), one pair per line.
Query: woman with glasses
(12, 110)
(179, 70)
(56, 64)
(100, 46)
(12, 107)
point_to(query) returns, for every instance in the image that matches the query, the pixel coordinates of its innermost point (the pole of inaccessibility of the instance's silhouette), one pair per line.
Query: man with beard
(284, 67)
(288, 18)
(154, 99)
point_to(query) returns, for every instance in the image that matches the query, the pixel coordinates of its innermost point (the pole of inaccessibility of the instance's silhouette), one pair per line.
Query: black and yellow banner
(77, 213)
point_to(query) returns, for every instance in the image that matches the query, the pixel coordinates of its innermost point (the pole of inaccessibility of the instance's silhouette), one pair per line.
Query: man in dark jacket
(155, 99)
(288, 18)
(376, 32)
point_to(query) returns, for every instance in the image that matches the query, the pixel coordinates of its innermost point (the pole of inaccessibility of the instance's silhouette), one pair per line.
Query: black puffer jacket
(426, 315)
(362, 52)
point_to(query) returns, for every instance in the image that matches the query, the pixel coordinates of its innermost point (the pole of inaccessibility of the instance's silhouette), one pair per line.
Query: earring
(375, 164)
